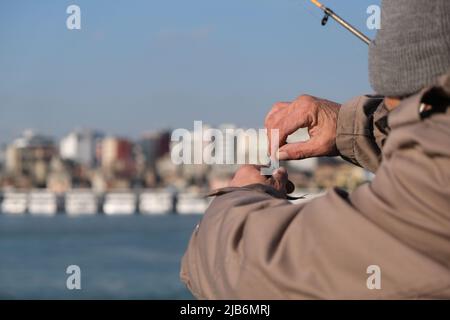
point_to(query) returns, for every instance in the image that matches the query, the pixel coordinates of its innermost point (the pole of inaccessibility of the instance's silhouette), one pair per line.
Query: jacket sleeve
(252, 245)
(359, 135)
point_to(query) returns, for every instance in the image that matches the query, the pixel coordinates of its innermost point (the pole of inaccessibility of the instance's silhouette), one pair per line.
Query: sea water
(124, 257)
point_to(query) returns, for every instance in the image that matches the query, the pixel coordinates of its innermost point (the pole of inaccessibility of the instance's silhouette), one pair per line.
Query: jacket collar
(411, 109)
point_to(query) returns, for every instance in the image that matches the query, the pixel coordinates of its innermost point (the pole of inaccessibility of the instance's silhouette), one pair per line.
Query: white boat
(191, 203)
(81, 203)
(14, 203)
(156, 202)
(42, 203)
(120, 203)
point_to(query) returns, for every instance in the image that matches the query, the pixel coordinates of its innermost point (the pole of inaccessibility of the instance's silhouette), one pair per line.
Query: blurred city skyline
(142, 66)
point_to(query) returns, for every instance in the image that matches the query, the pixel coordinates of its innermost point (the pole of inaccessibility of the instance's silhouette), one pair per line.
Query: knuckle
(268, 121)
(277, 105)
(271, 113)
(306, 100)
(304, 97)
(297, 154)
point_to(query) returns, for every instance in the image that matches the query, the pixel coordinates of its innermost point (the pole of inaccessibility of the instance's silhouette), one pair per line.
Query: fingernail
(282, 155)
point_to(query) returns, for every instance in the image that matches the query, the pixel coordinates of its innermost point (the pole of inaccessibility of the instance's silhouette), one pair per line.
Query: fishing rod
(342, 22)
(274, 164)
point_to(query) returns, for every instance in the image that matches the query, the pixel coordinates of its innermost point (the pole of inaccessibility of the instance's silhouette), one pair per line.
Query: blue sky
(140, 65)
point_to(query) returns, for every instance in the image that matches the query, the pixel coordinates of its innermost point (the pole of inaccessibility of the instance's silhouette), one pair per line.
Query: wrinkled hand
(251, 174)
(318, 115)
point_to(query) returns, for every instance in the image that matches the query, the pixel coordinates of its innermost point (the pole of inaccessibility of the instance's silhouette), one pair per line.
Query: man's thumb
(297, 151)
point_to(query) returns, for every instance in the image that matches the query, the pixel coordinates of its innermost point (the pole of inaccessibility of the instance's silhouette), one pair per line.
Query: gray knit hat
(412, 48)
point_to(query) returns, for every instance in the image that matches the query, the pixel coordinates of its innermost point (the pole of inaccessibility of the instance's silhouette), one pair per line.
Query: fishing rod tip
(317, 3)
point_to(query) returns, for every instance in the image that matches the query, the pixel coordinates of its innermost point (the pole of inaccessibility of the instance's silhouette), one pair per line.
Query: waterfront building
(80, 147)
(30, 156)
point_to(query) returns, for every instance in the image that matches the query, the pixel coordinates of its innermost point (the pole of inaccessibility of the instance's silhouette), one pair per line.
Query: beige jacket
(253, 245)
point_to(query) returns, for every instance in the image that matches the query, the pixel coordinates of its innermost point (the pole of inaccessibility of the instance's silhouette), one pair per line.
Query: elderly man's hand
(251, 174)
(318, 115)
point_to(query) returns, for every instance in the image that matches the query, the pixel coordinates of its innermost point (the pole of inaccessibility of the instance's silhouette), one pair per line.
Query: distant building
(117, 156)
(154, 146)
(59, 179)
(80, 147)
(30, 156)
(2, 157)
(12, 160)
(240, 146)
